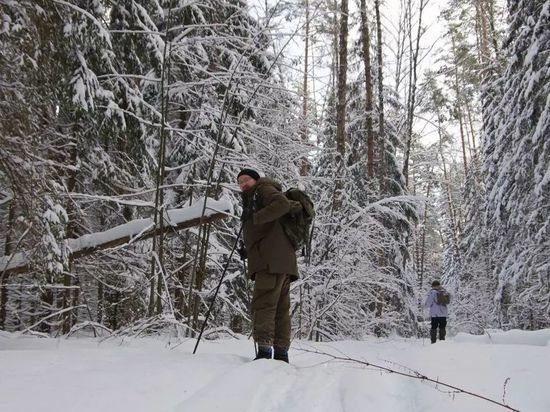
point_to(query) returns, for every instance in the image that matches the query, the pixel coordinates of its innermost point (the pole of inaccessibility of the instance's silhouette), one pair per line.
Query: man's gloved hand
(242, 252)
(247, 214)
(295, 207)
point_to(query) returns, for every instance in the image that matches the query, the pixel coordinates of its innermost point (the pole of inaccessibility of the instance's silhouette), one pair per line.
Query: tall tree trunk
(158, 244)
(200, 277)
(304, 169)
(179, 295)
(381, 133)
(482, 28)
(100, 302)
(188, 311)
(377, 306)
(341, 104)
(471, 124)
(8, 250)
(335, 61)
(494, 35)
(454, 219)
(400, 47)
(365, 38)
(68, 292)
(181, 274)
(411, 103)
(458, 108)
(423, 238)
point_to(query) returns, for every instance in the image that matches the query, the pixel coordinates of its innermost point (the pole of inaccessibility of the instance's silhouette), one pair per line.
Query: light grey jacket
(436, 311)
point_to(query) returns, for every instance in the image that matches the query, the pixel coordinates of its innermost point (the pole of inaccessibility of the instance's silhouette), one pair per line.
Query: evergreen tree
(102, 109)
(516, 163)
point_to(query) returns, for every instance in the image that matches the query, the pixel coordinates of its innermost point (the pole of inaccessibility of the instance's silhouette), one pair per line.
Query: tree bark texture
(381, 133)
(365, 39)
(341, 103)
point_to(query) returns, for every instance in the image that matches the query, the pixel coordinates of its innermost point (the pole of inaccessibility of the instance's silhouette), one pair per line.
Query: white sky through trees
(289, 34)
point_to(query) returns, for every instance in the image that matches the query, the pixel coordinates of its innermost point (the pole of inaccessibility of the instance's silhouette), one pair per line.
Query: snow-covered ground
(155, 375)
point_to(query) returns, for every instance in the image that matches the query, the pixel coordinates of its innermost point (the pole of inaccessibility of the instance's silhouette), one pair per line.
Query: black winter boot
(433, 335)
(281, 354)
(264, 352)
(442, 333)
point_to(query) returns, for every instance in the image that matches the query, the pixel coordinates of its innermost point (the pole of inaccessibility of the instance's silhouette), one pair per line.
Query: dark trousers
(438, 323)
(271, 310)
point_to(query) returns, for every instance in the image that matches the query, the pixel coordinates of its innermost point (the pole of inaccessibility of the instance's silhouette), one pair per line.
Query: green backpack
(443, 297)
(298, 225)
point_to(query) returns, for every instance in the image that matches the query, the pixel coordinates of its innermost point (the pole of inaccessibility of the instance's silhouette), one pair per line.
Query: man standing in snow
(436, 303)
(271, 262)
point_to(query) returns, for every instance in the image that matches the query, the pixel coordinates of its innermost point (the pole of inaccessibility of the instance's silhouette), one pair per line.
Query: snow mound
(511, 337)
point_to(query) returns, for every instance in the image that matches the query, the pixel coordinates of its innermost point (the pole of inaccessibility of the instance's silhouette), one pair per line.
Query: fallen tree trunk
(126, 234)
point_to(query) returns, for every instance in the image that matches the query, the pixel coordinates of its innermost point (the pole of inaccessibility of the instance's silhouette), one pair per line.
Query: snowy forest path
(162, 375)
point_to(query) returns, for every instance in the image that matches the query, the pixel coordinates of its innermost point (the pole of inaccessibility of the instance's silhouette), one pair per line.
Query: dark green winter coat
(267, 246)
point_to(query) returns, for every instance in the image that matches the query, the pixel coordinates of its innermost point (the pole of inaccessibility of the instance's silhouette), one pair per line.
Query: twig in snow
(416, 375)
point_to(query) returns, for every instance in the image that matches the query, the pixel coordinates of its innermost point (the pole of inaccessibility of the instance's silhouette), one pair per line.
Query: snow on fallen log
(139, 229)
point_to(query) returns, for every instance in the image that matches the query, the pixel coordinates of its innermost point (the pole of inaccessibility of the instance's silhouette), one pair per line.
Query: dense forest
(423, 161)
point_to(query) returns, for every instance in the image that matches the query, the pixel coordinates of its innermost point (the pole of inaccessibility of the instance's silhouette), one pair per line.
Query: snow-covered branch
(128, 233)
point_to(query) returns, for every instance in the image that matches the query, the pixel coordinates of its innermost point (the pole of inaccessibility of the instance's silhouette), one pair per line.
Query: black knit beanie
(249, 172)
